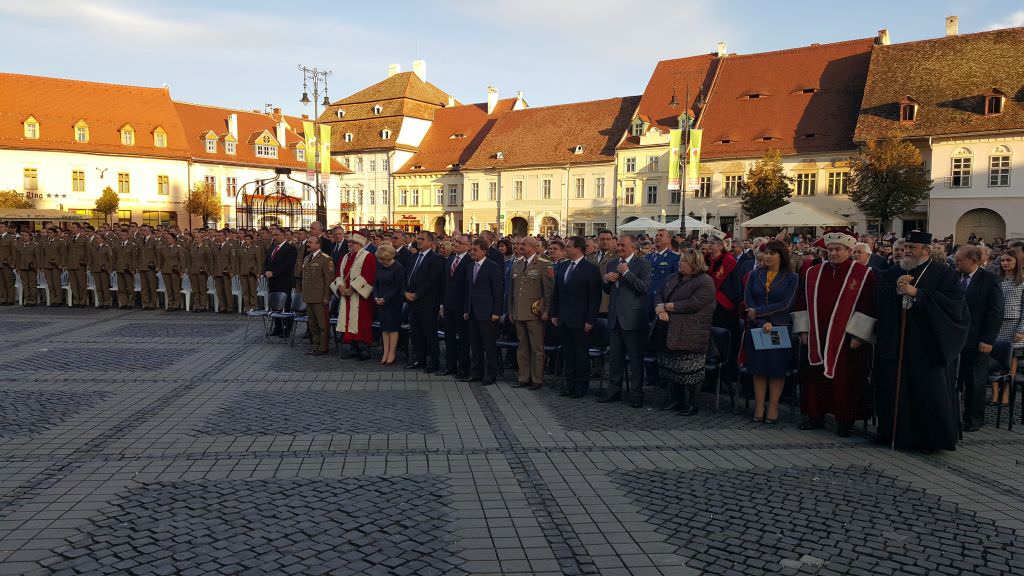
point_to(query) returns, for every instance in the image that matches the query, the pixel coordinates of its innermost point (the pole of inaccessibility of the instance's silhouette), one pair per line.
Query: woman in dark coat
(684, 306)
(387, 293)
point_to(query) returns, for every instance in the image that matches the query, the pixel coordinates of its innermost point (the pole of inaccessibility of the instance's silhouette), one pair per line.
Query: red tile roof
(669, 76)
(58, 104)
(948, 78)
(454, 136)
(548, 136)
(800, 100)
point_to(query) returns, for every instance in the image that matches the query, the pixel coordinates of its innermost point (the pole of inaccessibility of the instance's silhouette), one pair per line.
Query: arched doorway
(984, 223)
(548, 226)
(439, 223)
(520, 226)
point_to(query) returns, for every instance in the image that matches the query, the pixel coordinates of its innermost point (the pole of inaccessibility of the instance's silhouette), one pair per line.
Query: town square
(755, 309)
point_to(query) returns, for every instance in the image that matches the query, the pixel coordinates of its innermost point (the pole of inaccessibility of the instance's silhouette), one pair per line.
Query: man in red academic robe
(835, 318)
(357, 271)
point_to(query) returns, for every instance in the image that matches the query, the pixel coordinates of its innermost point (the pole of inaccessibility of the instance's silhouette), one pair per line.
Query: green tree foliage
(203, 202)
(108, 203)
(888, 179)
(766, 187)
(11, 199)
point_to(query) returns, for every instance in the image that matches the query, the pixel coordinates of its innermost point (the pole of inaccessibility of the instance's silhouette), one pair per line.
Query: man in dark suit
(402, 254)
(453, 306)
(483, 309)
(340, 247)
(492, 251)
(574, 304)
(424, 284)
(627, 281)
(985, 300)
(876, 261)
(326, 245)
(280, 271)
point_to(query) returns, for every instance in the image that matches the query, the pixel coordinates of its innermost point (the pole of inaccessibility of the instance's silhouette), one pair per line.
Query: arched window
(348, 136)
(378, 109)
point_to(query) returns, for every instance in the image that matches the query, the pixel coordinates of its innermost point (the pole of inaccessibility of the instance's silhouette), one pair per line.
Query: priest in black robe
(936, 328)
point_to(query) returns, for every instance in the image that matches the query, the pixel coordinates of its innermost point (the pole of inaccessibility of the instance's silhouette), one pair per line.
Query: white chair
(261, 289)
(236, 291)
(19, 297)
(41, 285)
(211, 290)
(113, 286)
(65, 285)
(186, 292)
(90, 286)
(161, 289)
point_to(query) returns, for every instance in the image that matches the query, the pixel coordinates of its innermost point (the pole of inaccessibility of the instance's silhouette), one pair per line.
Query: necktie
(274, 253)
(572, 266)
(455, 264)
(965, 281)
(476, 270)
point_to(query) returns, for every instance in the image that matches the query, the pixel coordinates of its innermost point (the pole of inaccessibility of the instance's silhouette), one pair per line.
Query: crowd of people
(895, 327)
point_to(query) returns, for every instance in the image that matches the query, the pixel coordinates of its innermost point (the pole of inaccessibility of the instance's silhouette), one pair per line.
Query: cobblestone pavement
(155, 443)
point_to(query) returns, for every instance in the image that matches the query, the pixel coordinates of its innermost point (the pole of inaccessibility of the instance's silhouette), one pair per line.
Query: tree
(767, 187)
(11, 199)
(888, 179)
(107, 203)
(203, 202)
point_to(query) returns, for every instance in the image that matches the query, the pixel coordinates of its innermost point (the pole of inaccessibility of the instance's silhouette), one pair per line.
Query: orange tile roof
(454, 136)
(199, 119)
(781, 115)
(669, 76)
(548, 135)
(948, 78)
(59, 104)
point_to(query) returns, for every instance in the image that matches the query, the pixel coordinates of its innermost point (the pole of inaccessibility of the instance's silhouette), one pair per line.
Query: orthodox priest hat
(918, 237)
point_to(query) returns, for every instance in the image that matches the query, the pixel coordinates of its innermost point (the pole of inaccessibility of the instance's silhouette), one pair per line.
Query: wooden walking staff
(908, 302)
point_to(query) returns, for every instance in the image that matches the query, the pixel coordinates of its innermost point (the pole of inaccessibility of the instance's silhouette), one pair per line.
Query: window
(474, 193)
(211, 183)
(230, 186)
(993, 104)
(652, 163)
(908, 112)
(373, 165)
(31, 128)
(359, 164)
(415, 196)
(359, 198)
(704, 190)
(733, 185)
(300, 154)
(385, 134)
(348, 136)
(838, 183)
(160, 139)
(345, 196)
(676, 196)
(638, 127)
(384, 199)
(806, 183)
(31, 179)
(124, 183)
(279, 188)
(439, 196)
(78, 180)
(159, 218)
(999, 170)
(517, 190)
(599, 187)
(581, 187)
(579, 229)
(266, 151)
(339, 113)
(631, 165)
(372, 196)
(377, 110)
(652, 194)
(163, 185)
(385, 164)
(599, 226)
(960, 176)
(229, 147)
(81, 132)
(629, 197)
(127, 136)
(453, 195)
(211, 146)
(492, 190)
(545, 189)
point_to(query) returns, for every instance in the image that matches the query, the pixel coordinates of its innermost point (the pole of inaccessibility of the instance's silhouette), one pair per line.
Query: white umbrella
(641, 225)
(694, 224)
(796, 214)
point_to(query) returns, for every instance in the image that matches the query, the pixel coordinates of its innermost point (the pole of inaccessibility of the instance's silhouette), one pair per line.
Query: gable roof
(669, 75)
(547, 136)
(800, 100)
(59, 104)
(947, 77)
(454, 136)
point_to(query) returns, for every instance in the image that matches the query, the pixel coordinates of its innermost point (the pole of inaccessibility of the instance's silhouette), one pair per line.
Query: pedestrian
(171, 261)
(317, 276)
(77, 265)
(387, 293)
(353, 283)
(148, 254)
(423, 293)
(1011, 273)
(127, 259)
(453, 308)
(102, 264)
(985, 302)
(222, 271)
(575, 300)
(627, 281)
(249, 259)
(27, 256)
(279, 270)
(529, 296)
(482, 311)
(54, 252)
(200, 262)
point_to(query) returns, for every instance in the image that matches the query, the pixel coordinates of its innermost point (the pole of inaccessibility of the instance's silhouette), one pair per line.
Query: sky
(246, 54)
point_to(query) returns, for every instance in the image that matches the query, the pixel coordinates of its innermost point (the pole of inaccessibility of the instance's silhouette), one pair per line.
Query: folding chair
(276, 303)
(290, 312)
(301, 317)
(597, 345)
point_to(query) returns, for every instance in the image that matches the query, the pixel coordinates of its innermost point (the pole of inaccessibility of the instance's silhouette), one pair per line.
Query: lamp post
(684, 154)
(318, 78)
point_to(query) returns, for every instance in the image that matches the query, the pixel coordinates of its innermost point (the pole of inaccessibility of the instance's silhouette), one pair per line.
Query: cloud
(116, 17)
(1012, 21)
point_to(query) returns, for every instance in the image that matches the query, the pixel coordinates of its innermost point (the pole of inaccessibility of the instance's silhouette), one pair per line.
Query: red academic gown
(366, 305)
(845, 394)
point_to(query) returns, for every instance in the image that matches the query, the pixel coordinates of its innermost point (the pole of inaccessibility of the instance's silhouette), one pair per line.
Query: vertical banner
(309, 130)
(325, 149)
(693, 160)
(675, 138)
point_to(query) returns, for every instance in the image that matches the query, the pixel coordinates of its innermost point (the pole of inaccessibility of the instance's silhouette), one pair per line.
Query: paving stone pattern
(849, 520)
(358, 525)
(28, 412)
(59, 357)
(349, 412)
(182, 330)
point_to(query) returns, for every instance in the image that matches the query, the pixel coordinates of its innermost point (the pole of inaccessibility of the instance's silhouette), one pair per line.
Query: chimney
(277, 114)
(722, 51)
(282, 130)
(451, 101)
(519, 103)
(419, 68)
(305, 116)
(233, 125)
(394, 69)
(492, 99)
(883, 37)
(952, 25)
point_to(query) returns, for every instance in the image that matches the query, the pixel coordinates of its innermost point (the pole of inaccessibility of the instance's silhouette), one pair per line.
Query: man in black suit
(326, 245)
(340, 245)
(483, 309)
(985, 301)
(280, 271)
(574, 304)
(424, 285)
(876, 261)
(453, 306)
(492, 251)
(402, 254)
(627, 282)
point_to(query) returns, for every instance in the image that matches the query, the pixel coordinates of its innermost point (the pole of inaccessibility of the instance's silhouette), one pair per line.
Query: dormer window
(638, 127)
(377, 110)
(81, 132)
(229, 146)
(755, 96)
(809, 90)
(578, 149)
(499, 156)
(348, 136)
(159, 138)
(127, 135)
(385, 134)
(266, 151)
(908, 110)
(339, 113)
(994, 101)
(31, 128)
(211, 145)
(725, 141)
(300, 154)
(457, 135)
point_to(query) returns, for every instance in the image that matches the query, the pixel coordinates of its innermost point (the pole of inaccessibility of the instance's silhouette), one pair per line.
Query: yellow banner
(675, 138)
(325, 148)
(310, 132)
(693, 160)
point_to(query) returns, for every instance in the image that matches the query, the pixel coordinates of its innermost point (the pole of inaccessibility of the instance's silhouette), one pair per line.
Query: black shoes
(414, 366)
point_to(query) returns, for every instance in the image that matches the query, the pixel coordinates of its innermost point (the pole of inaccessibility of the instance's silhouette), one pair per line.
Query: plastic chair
(261, 289)
(19, 297)
(65, 285)
(42, 285)
(211, 291)
(597, 345)
(236, 290)
(301, 317)
(161, 290)
(277, 302)
(290, 312)
(186, 292)
(90, 286)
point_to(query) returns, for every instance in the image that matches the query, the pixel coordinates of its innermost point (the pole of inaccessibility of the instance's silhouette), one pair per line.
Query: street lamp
(319, 80)
(684, 154)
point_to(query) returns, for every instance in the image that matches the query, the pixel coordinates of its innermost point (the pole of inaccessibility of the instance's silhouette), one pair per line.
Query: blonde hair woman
(387, 293)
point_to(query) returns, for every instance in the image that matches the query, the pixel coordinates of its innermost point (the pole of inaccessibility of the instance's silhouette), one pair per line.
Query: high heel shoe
(757, 420)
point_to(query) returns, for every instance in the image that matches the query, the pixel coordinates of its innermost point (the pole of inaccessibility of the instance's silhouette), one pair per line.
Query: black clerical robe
(937, 324)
